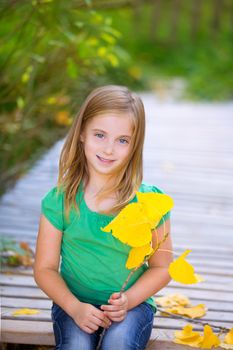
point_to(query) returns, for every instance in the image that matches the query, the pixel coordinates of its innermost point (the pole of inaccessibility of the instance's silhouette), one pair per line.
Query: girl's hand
(89, 318)
(117, 310)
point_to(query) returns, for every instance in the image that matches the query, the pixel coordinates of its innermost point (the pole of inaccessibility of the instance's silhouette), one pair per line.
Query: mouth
(104, 160)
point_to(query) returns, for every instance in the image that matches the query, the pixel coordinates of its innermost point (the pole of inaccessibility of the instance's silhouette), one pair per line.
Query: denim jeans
(132, 333)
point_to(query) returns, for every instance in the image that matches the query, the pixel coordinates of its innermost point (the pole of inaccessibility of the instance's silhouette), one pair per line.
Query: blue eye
(100, 136)
(123, 141)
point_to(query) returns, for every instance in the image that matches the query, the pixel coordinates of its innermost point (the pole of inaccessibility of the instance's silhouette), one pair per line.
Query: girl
(100, 171)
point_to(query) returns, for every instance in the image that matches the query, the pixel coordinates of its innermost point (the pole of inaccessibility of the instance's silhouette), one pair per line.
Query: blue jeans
(132, 333)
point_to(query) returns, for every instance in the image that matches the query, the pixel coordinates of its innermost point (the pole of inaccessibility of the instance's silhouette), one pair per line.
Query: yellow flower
(181, 271)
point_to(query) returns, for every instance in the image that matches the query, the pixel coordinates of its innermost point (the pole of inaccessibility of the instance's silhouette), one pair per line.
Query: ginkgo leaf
(131, 226)
(155, 205)
(187, 336)
(209, 338)
(229, 337)
(182, 271)
(137, 255)
(192, 312)
(228, 340)
(173, 300)
(25, 311)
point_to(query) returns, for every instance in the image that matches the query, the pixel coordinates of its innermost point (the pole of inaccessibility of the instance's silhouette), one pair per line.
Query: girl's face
(107, 142)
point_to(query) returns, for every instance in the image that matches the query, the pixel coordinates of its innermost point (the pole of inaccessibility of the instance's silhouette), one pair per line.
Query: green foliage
(53, 53)
(165, 50)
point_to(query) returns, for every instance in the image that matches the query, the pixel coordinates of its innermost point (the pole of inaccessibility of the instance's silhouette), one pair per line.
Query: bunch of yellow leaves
(208, 340)
(180, 305)
(134, 224)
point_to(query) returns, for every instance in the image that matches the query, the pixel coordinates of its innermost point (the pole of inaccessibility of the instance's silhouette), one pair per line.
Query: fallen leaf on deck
(188, 337)
(210, 339)
(228, 340)
(173, 300)
(192, 312)
(25, 311)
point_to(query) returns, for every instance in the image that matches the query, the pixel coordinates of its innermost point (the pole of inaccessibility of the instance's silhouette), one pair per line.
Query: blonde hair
(72, 165)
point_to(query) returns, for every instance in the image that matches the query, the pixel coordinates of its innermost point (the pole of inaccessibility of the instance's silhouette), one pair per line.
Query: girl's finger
(110, 307)
(114, 314)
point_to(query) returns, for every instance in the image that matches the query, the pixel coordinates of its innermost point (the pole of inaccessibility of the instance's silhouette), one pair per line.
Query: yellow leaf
(228, 340)
(229, 337)
(128, 229)
(209, 338)
(173, 300)
(187, 336)
(182, 271)
(135, 72)
(63, 118)
(137, 256)
(226, 346)
(25, 311)
(155, 205)
(102, 51)
(192, 312)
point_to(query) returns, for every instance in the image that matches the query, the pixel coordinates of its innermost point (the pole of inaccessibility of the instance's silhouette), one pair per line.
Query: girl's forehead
(111, 120)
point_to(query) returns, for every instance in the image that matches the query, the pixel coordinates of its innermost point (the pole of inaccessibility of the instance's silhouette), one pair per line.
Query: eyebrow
(106, 133)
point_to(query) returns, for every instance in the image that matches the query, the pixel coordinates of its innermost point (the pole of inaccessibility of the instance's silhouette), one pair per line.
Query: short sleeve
(150, 188)
(52, 208)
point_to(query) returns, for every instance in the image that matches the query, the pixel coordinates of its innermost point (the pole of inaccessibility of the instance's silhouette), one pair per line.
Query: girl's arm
(157, 276)
(46, 274)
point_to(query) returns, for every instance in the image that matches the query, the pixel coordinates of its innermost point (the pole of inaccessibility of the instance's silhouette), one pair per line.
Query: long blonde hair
(72, 165)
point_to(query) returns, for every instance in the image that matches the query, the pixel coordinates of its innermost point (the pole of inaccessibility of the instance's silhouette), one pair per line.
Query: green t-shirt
(92, 261)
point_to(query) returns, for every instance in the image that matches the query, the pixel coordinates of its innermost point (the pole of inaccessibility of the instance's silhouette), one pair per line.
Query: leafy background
(53, 53)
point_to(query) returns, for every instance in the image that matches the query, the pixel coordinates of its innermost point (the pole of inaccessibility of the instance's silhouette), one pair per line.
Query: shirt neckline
(109, 216)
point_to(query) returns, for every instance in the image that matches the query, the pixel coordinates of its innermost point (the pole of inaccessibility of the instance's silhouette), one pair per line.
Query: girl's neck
(96, 186)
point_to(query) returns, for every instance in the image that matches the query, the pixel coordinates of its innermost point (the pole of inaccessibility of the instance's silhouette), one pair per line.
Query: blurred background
(52, 53)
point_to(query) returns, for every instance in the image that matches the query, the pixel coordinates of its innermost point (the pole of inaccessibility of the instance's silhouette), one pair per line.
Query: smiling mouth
(105, 160)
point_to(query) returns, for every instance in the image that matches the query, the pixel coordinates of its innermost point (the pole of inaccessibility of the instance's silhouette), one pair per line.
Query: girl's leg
(68, 335)
(133, 332)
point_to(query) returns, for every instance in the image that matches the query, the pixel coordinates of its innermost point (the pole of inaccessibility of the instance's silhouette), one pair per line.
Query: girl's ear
(81, 138)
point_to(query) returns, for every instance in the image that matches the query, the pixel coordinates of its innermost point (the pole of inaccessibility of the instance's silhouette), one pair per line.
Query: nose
(109, 147)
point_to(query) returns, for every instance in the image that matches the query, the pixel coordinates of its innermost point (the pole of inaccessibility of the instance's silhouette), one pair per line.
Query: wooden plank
(26, 302)
(45, 315)
(27, 332)
(23, 292)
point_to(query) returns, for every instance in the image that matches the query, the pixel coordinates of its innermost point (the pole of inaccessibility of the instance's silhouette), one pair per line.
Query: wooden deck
(188, 153)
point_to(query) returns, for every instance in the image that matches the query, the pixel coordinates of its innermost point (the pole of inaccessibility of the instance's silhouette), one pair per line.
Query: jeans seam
(60, 335)
(143, 329)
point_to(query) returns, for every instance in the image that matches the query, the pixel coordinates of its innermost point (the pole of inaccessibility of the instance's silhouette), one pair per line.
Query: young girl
(99, 173)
